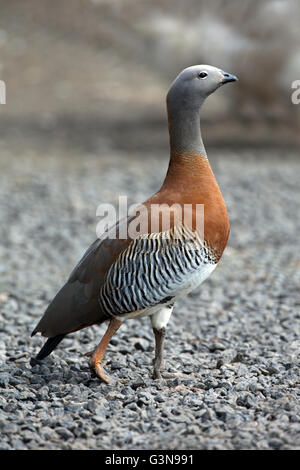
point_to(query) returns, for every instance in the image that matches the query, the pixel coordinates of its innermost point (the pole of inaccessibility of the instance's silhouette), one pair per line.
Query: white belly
(195, 280)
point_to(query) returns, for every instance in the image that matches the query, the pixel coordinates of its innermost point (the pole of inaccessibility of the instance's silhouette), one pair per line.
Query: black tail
(47, 349)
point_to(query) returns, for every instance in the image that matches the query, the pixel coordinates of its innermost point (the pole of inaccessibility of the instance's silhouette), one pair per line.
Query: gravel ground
(235, 341)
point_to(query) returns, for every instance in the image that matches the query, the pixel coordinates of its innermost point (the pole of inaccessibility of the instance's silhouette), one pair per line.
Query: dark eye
(202, 75)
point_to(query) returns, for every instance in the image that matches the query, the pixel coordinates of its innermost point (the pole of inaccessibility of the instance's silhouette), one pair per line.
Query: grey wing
(76, 304)
(149, 272)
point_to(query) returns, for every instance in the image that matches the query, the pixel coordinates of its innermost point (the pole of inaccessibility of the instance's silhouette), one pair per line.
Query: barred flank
(151, 269)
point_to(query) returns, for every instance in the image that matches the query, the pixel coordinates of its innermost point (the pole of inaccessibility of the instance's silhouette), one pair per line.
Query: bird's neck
(184, 130)
(188, 160)
(190, 180)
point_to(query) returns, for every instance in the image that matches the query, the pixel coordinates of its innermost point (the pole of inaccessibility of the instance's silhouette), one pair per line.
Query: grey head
(184, 100)
(195, 83)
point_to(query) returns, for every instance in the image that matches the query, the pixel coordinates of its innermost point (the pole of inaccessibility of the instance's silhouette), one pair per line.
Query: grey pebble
(235, 341)
(64, 433)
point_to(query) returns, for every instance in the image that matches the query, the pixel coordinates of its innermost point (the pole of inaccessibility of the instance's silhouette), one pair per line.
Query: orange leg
(95, 361)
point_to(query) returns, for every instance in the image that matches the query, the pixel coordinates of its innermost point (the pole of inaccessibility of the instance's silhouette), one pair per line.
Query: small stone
(132, 406)
(141, 344)
(4, 380)
(159, 399)
(211, 383)
(64, 433)
(139, 383)
(244, 400)
(116, 366)
(275, 443)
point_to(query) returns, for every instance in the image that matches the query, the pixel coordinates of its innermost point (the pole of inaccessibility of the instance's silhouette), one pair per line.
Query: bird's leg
(159, 349)
(159, 322)
(95, 361)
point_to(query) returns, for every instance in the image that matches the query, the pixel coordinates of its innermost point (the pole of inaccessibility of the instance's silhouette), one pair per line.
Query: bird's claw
(158, 375)
(97, 370)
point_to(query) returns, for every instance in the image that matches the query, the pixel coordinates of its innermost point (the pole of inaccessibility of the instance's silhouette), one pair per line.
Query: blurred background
(95, 71)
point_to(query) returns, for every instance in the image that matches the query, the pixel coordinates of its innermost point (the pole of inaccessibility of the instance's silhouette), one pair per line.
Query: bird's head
(195, 83)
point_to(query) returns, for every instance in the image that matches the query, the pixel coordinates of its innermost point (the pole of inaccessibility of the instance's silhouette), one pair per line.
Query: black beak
(228, 77)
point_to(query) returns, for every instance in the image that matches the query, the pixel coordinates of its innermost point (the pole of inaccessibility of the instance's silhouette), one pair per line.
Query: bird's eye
(202, 75)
